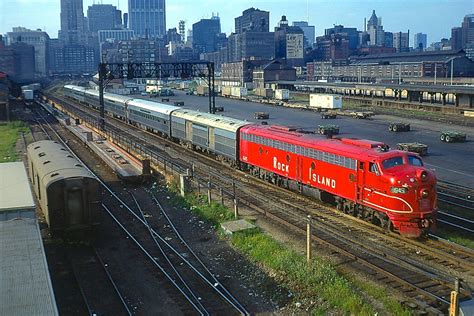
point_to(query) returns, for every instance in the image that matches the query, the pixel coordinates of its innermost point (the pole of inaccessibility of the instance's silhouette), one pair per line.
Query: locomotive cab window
(392, 162)
(415, 161)
(373, 168)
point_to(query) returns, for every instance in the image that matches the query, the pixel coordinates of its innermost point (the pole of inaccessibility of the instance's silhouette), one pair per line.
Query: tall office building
(103, 17)
(205, 34)
(39, 40)
(464, 35)
(419, 41)
(308, 31)
(147, 18)
(401, 41)
(289, 43)
(375, 30)
(253, 20)
(349, 32)
(72, 22)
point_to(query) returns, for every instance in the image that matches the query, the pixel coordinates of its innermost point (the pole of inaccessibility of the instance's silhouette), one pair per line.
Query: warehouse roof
(15, 192)
(441, 56)
(24, 277)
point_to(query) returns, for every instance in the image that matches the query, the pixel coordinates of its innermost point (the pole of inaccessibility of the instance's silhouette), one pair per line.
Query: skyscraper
(147, 18)
(375, 30)
(401, 41)
(39, 40)
(72, 22)
(419, 41)
(464, 35)
(205, 34)
(308, 31)
(103, 17)
(253, 20)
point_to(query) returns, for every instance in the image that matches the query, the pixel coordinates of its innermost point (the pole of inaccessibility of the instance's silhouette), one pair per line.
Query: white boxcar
(325, 101)
(239, 92)
(282, 94)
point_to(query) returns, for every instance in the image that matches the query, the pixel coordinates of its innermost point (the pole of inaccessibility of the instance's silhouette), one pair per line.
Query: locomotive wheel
(443, 137)
(448, 138)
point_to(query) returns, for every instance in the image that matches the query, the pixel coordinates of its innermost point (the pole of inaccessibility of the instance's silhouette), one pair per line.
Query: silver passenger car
(75, 92)
(153, 116)
(210, 132)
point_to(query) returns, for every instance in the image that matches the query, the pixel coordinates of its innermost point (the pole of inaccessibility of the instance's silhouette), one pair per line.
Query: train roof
(351, 147)
(218, 121)
(75, 88)
(26, 285)
(54, 162)
(152, 106)
(16, 194)
(117, 98)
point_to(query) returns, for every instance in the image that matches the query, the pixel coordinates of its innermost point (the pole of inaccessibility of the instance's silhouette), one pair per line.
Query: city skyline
(350, 13)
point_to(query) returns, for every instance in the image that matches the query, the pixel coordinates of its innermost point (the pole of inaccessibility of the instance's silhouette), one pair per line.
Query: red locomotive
(364, 178)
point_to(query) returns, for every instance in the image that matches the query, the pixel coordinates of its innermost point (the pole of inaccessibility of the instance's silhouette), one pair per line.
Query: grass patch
(451, 234)
(9, 134)
(320, 283)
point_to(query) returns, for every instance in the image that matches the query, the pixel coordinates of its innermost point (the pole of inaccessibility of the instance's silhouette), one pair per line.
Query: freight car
(390, 188)
(68, 194)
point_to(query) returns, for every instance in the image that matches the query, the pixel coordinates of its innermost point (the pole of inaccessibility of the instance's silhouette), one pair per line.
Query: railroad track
(389, 262)
(457, 203)
(100, 295)
(212, 296)
(100, 292)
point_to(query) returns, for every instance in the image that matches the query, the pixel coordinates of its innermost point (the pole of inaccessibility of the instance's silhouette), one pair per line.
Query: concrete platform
(236, 226)
(125, 166)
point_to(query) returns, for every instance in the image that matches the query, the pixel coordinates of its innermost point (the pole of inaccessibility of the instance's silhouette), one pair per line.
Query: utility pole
(452, 66)
(400, 73)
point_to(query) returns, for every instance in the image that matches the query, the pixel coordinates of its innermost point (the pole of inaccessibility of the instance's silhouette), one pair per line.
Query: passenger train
(364, 178)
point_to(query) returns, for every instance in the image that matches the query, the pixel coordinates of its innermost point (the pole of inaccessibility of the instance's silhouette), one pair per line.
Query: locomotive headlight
(398, 190)
(424, 175)
(425, 193)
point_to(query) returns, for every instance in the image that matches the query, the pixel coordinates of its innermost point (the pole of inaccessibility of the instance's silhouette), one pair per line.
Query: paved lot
(452, 162)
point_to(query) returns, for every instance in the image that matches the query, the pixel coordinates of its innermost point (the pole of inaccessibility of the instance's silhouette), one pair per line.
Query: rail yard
(178, 256)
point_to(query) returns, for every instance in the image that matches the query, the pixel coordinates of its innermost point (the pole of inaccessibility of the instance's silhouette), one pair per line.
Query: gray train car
(114, 104)
(68, 194)
(75, 92)
(152, 116)
(208, 132)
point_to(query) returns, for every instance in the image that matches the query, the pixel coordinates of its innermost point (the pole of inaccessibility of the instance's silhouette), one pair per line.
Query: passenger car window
(392, 162)
(415, 161)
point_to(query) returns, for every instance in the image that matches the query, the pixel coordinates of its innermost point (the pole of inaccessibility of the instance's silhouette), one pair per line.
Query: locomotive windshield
(392, 162)
(415, 161)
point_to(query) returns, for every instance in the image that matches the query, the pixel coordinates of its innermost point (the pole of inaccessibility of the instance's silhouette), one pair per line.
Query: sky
(433, 17)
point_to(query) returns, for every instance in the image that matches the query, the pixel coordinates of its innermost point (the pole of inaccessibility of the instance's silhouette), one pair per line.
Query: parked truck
(282, 94)
(202, 90)
(238, 92)
(325, 101)
(226, 91)
(266, 93)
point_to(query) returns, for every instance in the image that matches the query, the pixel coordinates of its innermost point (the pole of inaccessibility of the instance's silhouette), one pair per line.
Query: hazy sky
(434, 17)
